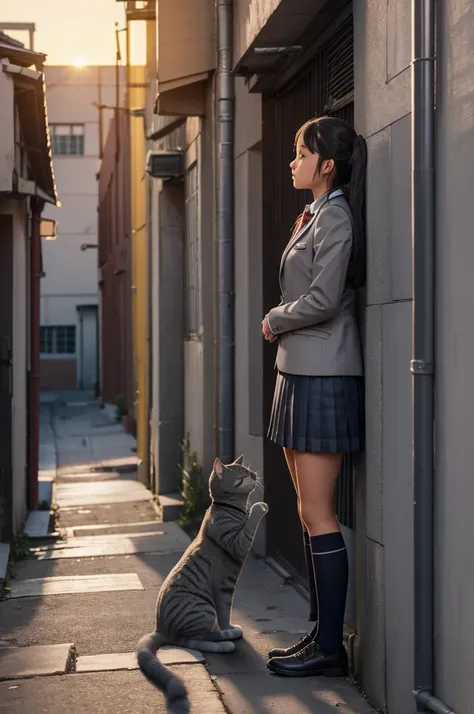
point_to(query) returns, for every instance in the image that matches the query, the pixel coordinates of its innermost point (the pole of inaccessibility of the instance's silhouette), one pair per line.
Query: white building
(69, 289)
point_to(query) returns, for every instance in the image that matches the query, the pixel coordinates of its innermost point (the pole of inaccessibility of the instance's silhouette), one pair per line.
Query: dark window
(58, 340)
(67, 139)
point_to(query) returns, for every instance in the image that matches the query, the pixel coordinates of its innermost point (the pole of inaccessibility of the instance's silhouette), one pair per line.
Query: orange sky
(66, 30)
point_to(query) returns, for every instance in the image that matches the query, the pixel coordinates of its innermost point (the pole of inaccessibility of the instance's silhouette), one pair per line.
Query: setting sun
(80, 62)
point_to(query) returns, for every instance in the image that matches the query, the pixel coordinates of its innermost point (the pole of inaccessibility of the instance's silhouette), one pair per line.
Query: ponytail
(356, 272)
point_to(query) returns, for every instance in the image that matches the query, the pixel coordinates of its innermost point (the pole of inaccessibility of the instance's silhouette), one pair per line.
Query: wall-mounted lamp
(48, 229)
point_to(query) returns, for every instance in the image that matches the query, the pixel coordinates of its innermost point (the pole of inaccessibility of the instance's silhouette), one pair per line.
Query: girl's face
(304, 169)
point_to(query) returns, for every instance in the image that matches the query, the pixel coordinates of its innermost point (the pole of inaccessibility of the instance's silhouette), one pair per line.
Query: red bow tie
(305, 217)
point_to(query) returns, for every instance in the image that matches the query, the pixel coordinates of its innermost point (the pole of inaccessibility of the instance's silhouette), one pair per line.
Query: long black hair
(335, 139)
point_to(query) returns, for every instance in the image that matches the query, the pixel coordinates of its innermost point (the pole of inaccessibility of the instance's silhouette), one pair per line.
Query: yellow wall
(137, 99)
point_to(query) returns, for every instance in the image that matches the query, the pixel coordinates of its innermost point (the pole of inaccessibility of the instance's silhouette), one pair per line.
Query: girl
(318, 407)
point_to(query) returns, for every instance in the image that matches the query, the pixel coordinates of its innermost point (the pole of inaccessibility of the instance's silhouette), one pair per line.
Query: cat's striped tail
(177, 701)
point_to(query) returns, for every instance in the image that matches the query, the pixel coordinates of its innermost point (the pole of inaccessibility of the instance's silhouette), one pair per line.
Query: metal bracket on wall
(419, 366)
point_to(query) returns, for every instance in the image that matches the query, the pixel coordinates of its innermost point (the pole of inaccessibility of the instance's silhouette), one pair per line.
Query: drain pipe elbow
(428, 702)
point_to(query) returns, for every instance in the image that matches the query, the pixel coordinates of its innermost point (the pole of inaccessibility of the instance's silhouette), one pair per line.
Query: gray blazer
(316, 318)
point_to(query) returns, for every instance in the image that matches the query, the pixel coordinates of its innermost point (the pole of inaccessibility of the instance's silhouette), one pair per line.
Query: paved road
(94, 593)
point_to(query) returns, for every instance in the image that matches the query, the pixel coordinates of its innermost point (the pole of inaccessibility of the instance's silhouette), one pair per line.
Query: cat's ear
(219, 468)
(240, 460)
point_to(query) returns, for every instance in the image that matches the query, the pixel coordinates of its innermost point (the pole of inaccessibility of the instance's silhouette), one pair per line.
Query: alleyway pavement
(76, 608)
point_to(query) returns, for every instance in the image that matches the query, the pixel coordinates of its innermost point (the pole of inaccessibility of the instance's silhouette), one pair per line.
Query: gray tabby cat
(195, 601)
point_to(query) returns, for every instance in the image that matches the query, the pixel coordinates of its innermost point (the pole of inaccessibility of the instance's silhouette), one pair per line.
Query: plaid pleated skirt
(318, 414)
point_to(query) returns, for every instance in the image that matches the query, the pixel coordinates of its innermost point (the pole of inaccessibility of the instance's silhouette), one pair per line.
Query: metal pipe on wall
(100, 108)
(422, 364)
(225, 231)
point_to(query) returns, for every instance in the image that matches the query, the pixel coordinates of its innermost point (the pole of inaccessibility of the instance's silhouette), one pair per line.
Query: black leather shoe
(293, 649)
(311, 661)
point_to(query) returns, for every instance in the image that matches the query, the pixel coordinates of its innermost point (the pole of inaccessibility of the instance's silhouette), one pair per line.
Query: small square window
(58, 340)
(67, 139)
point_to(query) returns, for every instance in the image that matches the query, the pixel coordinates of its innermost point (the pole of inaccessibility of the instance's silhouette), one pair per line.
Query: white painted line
(4, 555)
(64, 585)
(37, 524)
(39, 660)
(128, 660)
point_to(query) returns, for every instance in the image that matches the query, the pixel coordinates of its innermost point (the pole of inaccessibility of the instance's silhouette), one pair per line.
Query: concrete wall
(71, 274)
(249, 427)
(194, 347)
(454, 585)
(385, 534)
(199, 352)
(167, 418)
(166, 218)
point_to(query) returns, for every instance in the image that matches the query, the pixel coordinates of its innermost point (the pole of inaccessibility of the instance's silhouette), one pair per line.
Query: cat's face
(231, 479)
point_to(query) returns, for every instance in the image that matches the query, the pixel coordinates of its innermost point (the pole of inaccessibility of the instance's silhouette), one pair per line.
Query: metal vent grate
(340, 69)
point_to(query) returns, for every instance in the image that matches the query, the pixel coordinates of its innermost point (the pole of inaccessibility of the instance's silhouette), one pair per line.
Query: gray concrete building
(293, 60)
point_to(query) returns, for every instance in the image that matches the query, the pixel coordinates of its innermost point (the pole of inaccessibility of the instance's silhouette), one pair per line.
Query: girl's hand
(267, 333)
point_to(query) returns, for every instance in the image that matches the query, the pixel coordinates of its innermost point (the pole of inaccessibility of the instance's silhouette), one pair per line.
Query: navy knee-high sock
(313, 600)
(331, 569)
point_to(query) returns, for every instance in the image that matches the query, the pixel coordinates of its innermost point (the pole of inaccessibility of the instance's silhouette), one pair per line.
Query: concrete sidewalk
(80, 605)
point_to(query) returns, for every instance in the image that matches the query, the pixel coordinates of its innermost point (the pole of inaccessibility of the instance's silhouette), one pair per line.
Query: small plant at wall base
(19, 550)
(120, 408)
(193, 491)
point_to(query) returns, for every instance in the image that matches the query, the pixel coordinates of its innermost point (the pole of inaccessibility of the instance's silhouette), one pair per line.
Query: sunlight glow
(80, 62)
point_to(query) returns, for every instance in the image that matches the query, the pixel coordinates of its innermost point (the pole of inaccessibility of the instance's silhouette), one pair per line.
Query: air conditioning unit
(166, 165)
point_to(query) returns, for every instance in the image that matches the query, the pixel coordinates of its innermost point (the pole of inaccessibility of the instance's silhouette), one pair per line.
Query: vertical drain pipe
(225, 230)
(422, 364)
